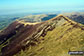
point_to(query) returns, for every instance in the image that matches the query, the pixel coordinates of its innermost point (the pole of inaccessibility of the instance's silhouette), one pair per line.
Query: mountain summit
(54, 37)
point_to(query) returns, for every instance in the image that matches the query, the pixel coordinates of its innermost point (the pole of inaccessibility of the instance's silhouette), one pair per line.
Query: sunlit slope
(66, 36)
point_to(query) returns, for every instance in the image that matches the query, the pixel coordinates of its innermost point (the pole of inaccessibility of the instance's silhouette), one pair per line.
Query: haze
(34, 6)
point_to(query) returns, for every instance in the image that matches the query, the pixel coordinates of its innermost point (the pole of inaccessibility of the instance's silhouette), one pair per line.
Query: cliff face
(20, 34)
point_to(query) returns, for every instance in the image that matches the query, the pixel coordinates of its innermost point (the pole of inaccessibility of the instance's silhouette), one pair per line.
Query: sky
(32, 6)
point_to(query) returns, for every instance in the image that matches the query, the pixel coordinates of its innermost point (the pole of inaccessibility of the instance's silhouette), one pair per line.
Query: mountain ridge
(31, 33)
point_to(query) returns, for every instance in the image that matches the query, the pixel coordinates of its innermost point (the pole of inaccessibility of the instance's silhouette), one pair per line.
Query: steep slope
(66, 36)
(54, 37)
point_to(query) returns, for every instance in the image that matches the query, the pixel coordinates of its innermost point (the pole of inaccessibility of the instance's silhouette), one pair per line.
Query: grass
(57, 42)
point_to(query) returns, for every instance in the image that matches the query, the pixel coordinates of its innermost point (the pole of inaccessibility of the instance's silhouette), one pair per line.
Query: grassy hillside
(54, 37)
(66, 36)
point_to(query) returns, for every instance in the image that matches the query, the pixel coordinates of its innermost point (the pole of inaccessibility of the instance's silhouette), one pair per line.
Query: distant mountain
(54, 37)
(38, 18)
(5, 20)
(76, 16)
(49, 16)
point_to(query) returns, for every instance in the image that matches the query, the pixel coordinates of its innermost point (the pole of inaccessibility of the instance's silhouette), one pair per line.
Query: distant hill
(6, 19)
(38, 18)
(76, 16)
(54, 37)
